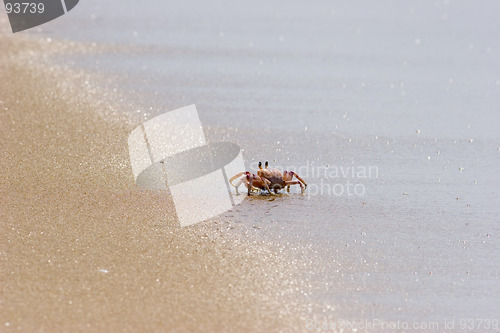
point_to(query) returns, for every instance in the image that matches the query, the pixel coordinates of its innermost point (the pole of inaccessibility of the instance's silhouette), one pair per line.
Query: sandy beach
(389, 111)
(83, 249)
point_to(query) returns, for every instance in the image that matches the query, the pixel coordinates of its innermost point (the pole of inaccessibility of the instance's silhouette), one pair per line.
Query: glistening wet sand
(83, 248)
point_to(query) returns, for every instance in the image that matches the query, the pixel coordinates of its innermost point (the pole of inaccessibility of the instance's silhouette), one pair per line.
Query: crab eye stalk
(260, 165)
(267, 163)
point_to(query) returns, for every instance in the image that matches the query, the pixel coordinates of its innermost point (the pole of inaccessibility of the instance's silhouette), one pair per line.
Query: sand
(82, 248)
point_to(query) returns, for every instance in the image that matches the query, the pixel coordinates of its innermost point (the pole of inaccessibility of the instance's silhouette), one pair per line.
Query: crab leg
(236, 176)
(239, 181)
(300, 179)
(294, 182)
(266, 185)
(259, 182)
(249, 182)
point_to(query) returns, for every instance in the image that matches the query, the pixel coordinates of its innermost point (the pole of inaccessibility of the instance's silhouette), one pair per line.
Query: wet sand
(82, 248)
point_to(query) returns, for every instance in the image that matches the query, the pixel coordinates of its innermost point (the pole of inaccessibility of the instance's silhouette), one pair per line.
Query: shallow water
(409, 89)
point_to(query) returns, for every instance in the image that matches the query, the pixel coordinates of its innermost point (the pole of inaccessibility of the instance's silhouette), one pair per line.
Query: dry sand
(82, 248)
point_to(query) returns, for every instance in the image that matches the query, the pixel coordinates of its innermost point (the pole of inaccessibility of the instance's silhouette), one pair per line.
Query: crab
(267, 179)
(251, 181)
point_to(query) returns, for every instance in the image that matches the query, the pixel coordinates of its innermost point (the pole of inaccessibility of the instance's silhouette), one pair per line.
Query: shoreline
(83, 248)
